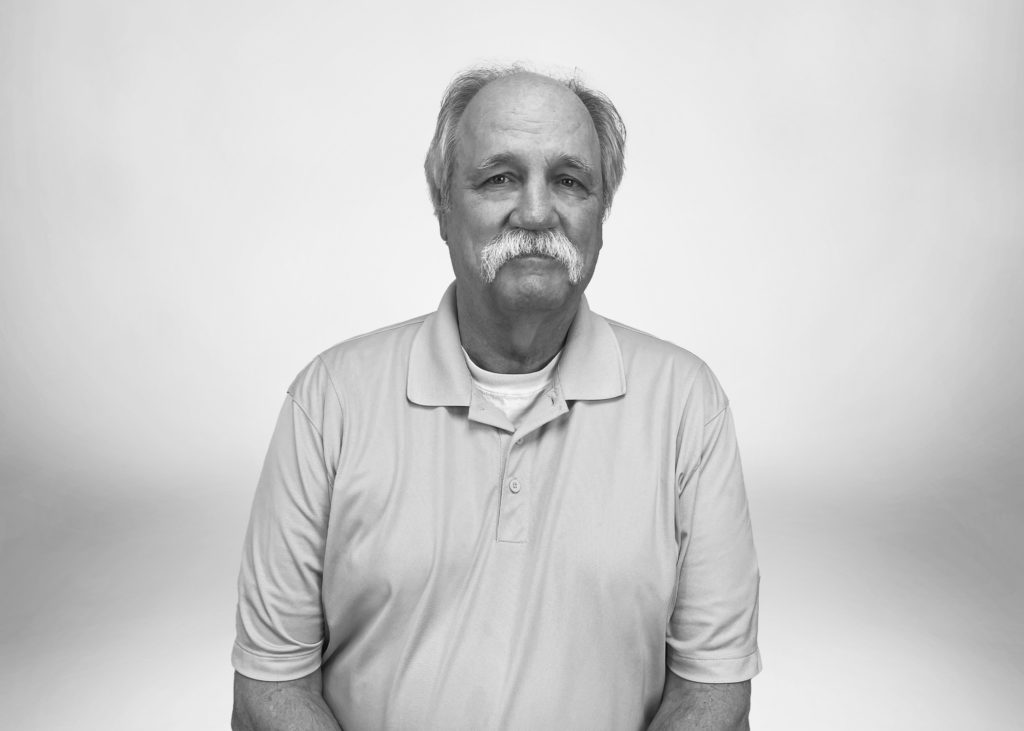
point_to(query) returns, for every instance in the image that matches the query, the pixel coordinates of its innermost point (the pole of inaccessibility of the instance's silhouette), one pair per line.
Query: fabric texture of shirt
(448, 570)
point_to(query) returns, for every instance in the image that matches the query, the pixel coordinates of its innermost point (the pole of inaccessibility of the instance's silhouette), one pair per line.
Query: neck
(512, 342)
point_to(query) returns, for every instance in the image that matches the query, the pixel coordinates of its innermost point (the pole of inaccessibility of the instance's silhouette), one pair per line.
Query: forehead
(528, 117)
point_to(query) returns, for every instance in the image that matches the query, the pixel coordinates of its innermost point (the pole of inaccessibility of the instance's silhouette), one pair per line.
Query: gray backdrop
(823, 200)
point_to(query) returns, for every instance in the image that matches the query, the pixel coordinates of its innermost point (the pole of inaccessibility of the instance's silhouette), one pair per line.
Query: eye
(567, 182)
(499, 179)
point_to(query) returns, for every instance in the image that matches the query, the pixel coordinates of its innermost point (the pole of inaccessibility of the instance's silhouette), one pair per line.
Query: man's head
(522, 170)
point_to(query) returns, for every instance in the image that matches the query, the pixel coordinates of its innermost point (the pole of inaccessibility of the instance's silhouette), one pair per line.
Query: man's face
(527, 158)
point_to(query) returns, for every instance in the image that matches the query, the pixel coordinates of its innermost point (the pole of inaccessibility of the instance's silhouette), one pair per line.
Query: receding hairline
(561, 88)
(518, 78)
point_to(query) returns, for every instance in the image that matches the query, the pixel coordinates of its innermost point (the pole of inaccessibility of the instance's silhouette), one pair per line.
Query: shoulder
(356, 362)
(650, 361)
(637, 343)
(369, 348)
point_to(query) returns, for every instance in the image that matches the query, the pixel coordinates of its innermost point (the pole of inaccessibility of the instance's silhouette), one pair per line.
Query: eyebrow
(504, 158)
(572, 161)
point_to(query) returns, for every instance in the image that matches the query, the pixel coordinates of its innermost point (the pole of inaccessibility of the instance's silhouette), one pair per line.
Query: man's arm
(280, 619)
(276, 706)
(702, 706)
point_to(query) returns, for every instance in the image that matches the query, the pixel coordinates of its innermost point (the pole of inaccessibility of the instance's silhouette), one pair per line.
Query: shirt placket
(516, 482)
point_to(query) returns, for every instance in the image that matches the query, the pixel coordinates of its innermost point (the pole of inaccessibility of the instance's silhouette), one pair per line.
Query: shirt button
(514, 485)
(519, 442)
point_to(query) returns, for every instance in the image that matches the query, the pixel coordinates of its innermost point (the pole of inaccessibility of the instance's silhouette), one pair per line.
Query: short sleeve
(712, 633)
(279, 620)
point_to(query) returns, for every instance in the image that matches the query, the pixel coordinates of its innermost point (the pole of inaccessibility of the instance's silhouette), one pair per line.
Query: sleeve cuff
(716, 670)
(274, 667)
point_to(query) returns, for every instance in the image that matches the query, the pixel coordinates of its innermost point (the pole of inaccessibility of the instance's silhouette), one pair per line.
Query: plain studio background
(825, 201)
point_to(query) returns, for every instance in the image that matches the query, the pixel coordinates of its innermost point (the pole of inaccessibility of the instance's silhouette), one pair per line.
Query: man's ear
(442, 226)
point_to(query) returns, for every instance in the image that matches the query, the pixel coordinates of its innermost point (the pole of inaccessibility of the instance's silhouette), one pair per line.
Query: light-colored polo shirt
(447, 570)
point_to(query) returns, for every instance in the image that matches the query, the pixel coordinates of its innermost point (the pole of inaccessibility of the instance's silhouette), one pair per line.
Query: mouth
(535, 261)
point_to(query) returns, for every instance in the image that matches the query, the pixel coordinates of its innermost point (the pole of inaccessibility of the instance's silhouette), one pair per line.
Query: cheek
(472, 229)
(463, 257)
(586, 232)
(464, 248)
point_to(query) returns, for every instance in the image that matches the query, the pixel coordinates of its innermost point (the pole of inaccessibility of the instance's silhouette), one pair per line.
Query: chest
(590, 493)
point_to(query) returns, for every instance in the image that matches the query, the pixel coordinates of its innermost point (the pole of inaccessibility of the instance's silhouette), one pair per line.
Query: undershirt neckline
(515, 385)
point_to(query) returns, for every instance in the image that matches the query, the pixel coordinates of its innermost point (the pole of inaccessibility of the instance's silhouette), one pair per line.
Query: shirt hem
(274, 668)
(716, 670)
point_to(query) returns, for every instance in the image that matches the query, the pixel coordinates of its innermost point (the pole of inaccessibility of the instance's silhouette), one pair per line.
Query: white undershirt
(513, 393)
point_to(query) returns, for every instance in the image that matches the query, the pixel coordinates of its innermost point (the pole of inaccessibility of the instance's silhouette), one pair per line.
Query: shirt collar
(590, 368)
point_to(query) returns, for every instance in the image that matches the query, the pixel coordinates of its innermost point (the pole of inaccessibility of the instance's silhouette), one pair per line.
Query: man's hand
(290, 704)
(702, 706)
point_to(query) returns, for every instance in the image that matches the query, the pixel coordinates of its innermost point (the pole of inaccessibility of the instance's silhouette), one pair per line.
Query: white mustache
(523, 242)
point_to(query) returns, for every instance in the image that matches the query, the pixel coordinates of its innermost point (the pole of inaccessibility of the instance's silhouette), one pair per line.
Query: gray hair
(440, 162)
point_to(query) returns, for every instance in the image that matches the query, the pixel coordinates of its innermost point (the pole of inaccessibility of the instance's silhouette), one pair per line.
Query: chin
(534, 292)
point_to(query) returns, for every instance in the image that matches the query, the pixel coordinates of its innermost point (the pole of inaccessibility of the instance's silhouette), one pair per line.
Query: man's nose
(535, 209)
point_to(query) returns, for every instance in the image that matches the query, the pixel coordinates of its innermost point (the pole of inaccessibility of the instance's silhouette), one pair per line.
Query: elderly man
(511, 513)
